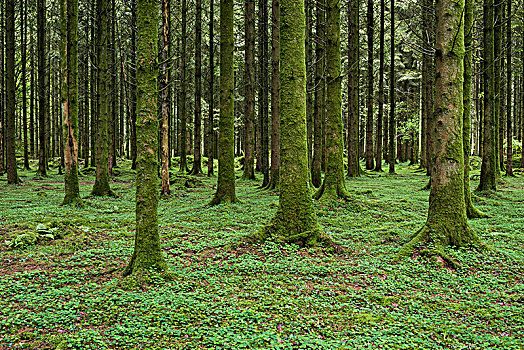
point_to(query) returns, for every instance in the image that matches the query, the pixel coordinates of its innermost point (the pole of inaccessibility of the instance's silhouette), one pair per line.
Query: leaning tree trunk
(147, 253)
(488, 178)
(12, 174)
(353, 85)
(472, 212)
(225, 192)
(249, 78)
(334, 184)
(69, 63)
(295, 220)
(447, 222)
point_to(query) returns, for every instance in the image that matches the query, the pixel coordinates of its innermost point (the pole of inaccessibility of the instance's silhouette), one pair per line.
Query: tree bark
(380, 116)
(164, 85)
(353, 86)
(447, 221)
(225, 192)
(275, 96)
(42, 89)
(211, 116)
(369, 97)
(249, 81)
(147, 253)
(197, 146)
(392, 101)
(12, 172)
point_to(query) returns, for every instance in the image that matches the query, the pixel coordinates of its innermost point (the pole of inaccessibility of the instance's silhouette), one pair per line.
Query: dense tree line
(297, 92)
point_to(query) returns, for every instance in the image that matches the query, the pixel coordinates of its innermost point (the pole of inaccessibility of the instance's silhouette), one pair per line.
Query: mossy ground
(229, 295)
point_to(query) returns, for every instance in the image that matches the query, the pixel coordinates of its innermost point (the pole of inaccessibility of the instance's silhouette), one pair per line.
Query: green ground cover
(62, 287)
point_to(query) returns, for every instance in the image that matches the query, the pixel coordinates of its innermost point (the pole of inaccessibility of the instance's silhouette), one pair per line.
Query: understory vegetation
(61, 284)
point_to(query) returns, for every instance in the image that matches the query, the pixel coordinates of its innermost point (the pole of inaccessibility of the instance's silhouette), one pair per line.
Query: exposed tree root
(331, 192)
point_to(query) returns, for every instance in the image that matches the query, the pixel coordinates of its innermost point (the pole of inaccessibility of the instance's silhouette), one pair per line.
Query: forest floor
(63, 287)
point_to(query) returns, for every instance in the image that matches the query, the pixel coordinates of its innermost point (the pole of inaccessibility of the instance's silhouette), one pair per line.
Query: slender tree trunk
(275, 95)
(316, 166)
(497, 64)
(164, 85)
(509, 91)
(447, 223)
(2, 88)
(353, 87)
(369, 97)
(101, 186)
(295, 220)
(471, 211)
(488, 178)
(392, 100)
(211, 116)
(263, 92)
(309, 78)
(147, 253)
(249, 81)
(93, 91)
(225, 192)
(334, 184)
(42, 89)
(133, 86)
(12, 173)
(380, 117)
(197, 146)
(23, 44)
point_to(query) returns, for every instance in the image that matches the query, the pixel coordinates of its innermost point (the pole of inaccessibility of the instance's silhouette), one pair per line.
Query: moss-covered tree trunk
(183, 92)
(392, 154)
(197, 146)
(497, 65)
(225, 192)
(275, 96)
(488, 178)
(163, 83)
(334, 185)
(370, 89)
(380, 116)
(132, 87)
(472, 212)
(147, 253)
(42, 91)
(447, 221)
(353, 86)
(509, 104)
(316, 165)
(69, 65)
(12, 173)
(211, 112)
(249, 104)
(295, 220)
(101, 186)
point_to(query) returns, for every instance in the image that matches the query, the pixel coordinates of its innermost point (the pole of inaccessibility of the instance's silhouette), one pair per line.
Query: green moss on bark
(295, 220)
(334, 185)
(147, 254)
(226, 146)
(447, 224)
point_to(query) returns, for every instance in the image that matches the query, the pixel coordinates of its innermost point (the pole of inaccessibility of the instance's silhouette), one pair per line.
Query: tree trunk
(249, 78)
(211, 116)
(334, 185)
(369, 97)
(497, 64)
(316, 166)
(23, 44)
(471, 211)
(295, 220)
(392, 101)
(263, 108)
(447, 222)
(164, 82)
(132, 87)
(509, 86)
(42, 90)
(69, 68)
(147, 252)
(380, 117)
(488, 178)
(101, 186)
(12, 174)
(197, 146)
(183, 92)
(225, 192)
(275, 95)
(353, 86)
